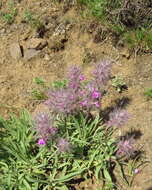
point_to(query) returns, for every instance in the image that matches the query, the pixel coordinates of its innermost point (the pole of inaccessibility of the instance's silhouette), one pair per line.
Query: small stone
(46, 57)
(30, 53)
(13, 27)
(36, 43)
(136, 171)
(15, 51)
(2, 31)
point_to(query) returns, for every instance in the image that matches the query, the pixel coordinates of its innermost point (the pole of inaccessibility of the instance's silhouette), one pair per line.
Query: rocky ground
(67, 38)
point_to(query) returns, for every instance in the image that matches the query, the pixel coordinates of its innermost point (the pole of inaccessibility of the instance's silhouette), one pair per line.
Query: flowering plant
(66, 142)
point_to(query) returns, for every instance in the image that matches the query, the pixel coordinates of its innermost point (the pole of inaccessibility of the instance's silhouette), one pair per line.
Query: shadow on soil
(120, 103)
(136, 134)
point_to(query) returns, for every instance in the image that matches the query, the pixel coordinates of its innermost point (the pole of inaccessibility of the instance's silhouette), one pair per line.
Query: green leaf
(39, 81)
(97, 171)
(107, 175)
(69, 176)
(64, 187)
(122, 174)
(26, 184)
(92, 158)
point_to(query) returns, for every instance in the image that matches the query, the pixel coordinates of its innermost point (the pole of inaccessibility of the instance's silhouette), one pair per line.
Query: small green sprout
(28, 17)
(32, 19)
(148, 93)
(39, 81)
(9, 16)
(38, 95)
(60, 84)
(118, 83)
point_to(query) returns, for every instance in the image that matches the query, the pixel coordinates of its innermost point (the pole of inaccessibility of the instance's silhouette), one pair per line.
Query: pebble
(36, 43)
(46, 57)
(30, 53)
(15, 51)
(2, 31)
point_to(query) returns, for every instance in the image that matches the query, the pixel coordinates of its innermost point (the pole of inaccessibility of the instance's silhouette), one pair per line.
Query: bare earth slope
(68, 40)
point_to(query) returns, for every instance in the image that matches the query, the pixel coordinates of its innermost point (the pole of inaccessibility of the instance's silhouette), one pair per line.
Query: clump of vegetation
(148, 93)
(54, 148)
(1, 4)
(139, 39)
(34, 22)
(60, 84)
(9, 15)
(28, 16)
(118, 83)
(38, 93)
(129, 13)
(131, 20)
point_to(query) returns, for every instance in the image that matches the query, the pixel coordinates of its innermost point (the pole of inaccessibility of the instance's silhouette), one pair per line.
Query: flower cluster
(63, 145)
(75, 77)
(44, 127)
(77, 96)
(45, 130)
(126, 147)
(90, 96)
(118, 118)
(63, 101)
(41, 142)
(102, 73)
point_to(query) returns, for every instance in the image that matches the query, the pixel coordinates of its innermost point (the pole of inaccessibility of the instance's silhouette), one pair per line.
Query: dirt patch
(16, 76)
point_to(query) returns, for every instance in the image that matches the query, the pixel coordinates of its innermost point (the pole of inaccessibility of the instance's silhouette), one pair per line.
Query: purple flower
(84, 103)
(97, 104)
(136, 171)
(91, 87)
(63, 145)
(81, 77)
(44, 126)
(41, 142)
(95, 94)
(63, 101)
(71, 99)
(102, 73)
(75, 77)
(90, 96)
(126, 147)
(118, 118)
